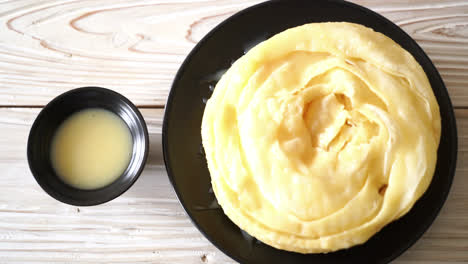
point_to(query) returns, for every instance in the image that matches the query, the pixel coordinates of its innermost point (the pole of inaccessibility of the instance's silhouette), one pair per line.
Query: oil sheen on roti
(320, 136)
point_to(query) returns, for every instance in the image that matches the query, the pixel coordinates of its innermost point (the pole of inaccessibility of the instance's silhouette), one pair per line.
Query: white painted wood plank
(135, 47)
(147, 223)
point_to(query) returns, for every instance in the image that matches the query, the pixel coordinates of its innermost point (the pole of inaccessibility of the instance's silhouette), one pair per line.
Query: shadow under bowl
(52, 116)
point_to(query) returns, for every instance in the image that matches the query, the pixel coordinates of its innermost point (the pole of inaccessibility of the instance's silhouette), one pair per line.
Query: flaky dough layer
(320, 136)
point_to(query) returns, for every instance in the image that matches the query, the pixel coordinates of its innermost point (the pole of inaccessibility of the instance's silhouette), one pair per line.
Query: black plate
(186, 164)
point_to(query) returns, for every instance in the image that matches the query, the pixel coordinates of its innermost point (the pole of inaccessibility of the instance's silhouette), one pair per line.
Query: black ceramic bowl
(54, 114)
(185, 160)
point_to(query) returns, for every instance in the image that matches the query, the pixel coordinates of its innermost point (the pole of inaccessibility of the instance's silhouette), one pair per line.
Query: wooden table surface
(135, 47)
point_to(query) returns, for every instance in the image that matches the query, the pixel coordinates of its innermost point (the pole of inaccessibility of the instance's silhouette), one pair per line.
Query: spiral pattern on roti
(320, 136)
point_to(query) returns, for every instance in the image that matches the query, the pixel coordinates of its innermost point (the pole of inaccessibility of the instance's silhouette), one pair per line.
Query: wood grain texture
(147, 223)
(136, 47)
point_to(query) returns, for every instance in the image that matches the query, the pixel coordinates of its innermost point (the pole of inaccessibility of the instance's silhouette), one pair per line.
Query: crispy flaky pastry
(320, 136)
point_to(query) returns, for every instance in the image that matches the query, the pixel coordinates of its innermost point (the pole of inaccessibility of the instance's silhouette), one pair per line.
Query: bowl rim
(49, 190)
(182, 69)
